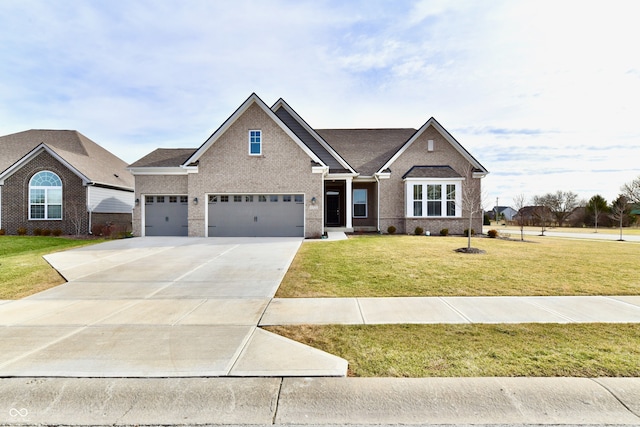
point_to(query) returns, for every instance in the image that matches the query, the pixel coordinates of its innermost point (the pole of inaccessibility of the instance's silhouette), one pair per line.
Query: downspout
(88, 205)
(377, 202)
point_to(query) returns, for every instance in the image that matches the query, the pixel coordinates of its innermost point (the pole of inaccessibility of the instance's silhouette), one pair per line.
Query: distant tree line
(563, 208)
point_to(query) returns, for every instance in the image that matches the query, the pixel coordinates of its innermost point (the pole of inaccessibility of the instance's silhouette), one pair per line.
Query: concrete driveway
(159, 307)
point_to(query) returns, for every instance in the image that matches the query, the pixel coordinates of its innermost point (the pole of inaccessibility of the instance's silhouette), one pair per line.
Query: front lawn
(23, 271)
(382, 266)
(535, 350)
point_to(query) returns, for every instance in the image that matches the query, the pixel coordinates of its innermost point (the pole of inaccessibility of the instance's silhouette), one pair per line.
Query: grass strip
(387, 266)
(23, 271)
(479, 350)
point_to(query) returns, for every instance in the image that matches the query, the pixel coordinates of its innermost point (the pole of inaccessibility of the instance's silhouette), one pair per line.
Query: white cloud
(545, 94)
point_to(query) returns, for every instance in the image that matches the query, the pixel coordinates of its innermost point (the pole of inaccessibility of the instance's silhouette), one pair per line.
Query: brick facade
(283, 168)
(393, 194)
(15, 199)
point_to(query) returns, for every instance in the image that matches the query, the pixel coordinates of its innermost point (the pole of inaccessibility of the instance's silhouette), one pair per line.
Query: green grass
(535, 350)
(382, 266)
(23, 271)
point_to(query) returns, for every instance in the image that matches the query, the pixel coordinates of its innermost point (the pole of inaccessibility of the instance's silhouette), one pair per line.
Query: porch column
(349, 203)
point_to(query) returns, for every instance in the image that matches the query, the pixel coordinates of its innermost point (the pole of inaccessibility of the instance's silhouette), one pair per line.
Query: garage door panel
(166, 216)
(256, 216)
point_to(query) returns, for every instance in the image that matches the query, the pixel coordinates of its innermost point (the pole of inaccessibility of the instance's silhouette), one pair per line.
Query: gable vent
(430, 145)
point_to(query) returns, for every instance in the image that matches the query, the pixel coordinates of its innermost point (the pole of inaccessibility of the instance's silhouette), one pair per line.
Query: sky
(544, 94)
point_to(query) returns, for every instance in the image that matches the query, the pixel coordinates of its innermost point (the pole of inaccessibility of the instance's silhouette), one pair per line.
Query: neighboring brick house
(266, 172)
(61, 180)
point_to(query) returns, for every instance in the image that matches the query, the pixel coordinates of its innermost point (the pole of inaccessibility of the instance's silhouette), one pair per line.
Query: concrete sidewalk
(320, 401)
(424, 310)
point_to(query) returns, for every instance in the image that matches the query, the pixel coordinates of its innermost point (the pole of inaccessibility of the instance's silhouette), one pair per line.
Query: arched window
(45, 196)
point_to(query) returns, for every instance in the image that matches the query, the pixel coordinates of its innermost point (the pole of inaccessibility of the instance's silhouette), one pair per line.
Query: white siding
(108, 200)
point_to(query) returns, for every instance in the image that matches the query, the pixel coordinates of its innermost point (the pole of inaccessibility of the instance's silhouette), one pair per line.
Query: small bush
(492, 233)
(46, 232)
(419, 231)
(444, 232)
(466, 232)
(21, 231)
(96, 229)
(56, 232)
(37, 231)
(391, 229)
(486, 220)
(2, 232)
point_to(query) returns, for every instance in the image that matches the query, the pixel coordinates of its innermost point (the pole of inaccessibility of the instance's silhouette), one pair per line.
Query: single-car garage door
(256, 215)
(166, 216)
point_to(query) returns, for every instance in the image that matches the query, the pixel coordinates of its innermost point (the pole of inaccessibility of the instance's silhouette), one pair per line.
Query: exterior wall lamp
(195, 200)
(313, 200)
(137, 202)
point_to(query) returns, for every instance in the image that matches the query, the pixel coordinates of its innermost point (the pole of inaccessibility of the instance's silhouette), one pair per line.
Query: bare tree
(471, 199)
(519, 202)
(541, 211)
(631, 191)
(597, 205)
(619, 210)
(561, 204)
(77, 212)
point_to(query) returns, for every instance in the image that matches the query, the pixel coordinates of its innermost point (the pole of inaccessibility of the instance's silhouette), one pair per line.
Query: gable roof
(253, 99)
(311, 138)
(454, 143)
(367, 150)
(83, 156)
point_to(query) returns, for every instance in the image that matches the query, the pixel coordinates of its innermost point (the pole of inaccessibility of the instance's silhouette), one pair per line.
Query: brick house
(61, 180)
(266, 172)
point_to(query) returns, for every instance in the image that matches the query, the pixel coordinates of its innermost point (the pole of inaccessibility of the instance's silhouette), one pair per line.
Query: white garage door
(256, 215)
(166, 216)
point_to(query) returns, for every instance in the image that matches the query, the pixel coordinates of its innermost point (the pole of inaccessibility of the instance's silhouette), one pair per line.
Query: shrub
(419, 231)
(466, 232)
(486, 220)
(2, 232)
(37, 231)
(444, 232)
(46, 232)
(56, 232)
(21, 231)
(492, 233)
(391, 229)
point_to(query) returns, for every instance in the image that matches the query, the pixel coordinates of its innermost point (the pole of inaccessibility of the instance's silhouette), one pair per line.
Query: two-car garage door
(228, 215)
(256, 215)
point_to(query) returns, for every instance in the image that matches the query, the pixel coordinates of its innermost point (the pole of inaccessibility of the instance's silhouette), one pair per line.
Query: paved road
(515, 233)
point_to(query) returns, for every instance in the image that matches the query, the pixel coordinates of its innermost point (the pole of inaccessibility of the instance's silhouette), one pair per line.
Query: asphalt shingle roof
(164, 157)
(87, 157)
(366, 150)
(431, 172)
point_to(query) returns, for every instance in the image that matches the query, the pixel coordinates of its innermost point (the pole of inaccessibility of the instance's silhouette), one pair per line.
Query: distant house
(61, 180)
(266, 172)
(504, 212)
(534, 216)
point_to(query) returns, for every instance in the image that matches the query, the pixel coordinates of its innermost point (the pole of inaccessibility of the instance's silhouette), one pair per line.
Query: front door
(333, 209)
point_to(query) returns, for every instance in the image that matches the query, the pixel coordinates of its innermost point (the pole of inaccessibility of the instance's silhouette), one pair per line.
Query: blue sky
(545, 94)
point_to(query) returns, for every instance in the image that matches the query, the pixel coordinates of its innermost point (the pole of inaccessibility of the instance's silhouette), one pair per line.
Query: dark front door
(333, 209)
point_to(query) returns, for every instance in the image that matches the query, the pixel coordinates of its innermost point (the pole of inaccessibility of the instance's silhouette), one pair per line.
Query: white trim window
(360, 203)
(433, 199)
(45, 196)
(255, 142)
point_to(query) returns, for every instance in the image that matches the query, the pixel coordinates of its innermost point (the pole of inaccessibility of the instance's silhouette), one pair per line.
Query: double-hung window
(433, 198)
(360, 203)
(45, 196)
(255, 142)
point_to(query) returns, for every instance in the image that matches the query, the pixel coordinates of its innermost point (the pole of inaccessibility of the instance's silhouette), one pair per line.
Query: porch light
(313, 200)
(195, 200)
(137, 202)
